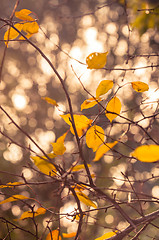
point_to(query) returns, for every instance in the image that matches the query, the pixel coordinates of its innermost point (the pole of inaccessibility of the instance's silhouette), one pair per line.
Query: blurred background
(69, 31)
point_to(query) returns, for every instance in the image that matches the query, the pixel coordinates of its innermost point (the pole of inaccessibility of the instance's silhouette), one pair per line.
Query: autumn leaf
(50, 100)
(14, 198)
(58, 146)
(23, 15)
(106, 236)
(96, 60)
(146, 153)
(11, 33)
(85, 199)
(69, 235)
(11, 185)
(44, 166)
(103, 87)
(103, 149)
(81, 123)
(91, 102)
(30, 214)
(54, 235)
(140, 86)
(79, 167)
(94, 137)
(114, 105)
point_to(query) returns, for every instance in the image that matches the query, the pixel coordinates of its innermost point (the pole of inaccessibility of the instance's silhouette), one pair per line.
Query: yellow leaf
(106, 236)
(14, 198)
(85, 199)
(96, 60)
(44, 166)
(114, 105)
(11, 185)
(94, 137)
(58, 146)
(11, 33)
(50, 100)
(23, 15)
(69, 235)
(81, 123)
(147, 153)
(30, 27)
(54, 235)
(140, 86)
(103, 149)
(79, 167)
(103, 87)
(30, 214)
(88, 103)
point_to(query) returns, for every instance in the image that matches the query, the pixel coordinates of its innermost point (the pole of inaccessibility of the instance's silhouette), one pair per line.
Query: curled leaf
(88, 103)
(114, 106)
(103, 87)
(11, 33)
(146, 153)
(23, 15)
(96, 60)
(58, 146)
(50, 100)
(69, 235)
(106, 236)
(54, 235)
(140, 86)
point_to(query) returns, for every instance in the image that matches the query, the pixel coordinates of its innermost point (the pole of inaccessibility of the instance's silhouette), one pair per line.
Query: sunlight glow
(13, 154)
(19, 101)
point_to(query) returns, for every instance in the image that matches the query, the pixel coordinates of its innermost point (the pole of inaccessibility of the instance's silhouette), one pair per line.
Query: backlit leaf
(147, 153)
(54, 235)
(44, 166)
(50, 100)
(11, 33)
(58, 146)
(81, 123)
(11, 185)
(79, 167)
(23, 15)
(30, 214)
(14, 198)
(103, 87)
(69, 235)
(88, 103)
(106, 236)
(140, 86)
(30, 27)
(94, 137)
(85, 199)
(96, 60)
(114, 105)
(103, 149)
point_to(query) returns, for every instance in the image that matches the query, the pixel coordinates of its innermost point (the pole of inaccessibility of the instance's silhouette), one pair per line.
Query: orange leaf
(58, 146)
(30, 214)
(103, 87)
(146, 153)
(103, 149)
(30, 27)
(88, 103)
(50, 100)
(140, 86)
(96, 60)
(114, 106)
(106, 236)
(81, 123)
(94, 137)
(11, 33)
(69, 235)
(54, 235)
(14, 198)
(11, 185)
(85, 199)
(23, 15)
(44, 166)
